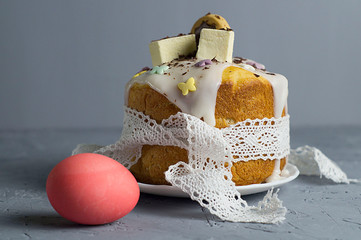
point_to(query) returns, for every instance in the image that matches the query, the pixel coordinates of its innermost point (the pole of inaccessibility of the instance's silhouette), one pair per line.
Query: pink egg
(92, 189)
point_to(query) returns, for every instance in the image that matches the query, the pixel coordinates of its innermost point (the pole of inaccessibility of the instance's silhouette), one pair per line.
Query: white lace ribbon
(207, 177)
(244, 141)
(311, 161)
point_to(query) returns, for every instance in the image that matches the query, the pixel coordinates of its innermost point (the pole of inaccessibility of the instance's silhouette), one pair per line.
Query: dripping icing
(277, 174)
(201, 103)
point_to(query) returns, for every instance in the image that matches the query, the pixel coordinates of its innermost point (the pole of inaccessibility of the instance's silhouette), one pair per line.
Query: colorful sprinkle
(138, 74)
(238, 60)
(203, 63)
(189, 85)
(256, 64)
(159, 69)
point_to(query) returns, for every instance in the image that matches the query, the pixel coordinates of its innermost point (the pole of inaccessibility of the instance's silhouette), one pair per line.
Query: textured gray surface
(57, 57)
(317, 208)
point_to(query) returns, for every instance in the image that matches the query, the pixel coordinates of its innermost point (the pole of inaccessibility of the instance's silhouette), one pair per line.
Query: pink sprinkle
(203, 63)
(255, 64)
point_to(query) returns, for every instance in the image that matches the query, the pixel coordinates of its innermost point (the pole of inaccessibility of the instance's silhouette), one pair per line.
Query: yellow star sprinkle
(138, 74)
(189, 85)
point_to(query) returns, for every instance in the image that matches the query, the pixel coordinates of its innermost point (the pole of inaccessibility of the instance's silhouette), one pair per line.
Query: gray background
(64, 64)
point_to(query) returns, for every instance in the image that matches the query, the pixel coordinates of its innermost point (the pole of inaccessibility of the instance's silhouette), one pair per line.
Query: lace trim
(207, 177)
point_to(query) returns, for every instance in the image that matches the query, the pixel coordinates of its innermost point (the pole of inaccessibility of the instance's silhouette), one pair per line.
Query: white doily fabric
(311, 161)
(206, 178)
(207, 175)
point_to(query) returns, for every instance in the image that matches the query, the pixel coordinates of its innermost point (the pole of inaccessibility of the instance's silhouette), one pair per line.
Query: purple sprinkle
(255, 64)
(203, 63)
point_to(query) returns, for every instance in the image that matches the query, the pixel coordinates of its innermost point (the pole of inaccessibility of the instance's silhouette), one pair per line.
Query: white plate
(170, 191)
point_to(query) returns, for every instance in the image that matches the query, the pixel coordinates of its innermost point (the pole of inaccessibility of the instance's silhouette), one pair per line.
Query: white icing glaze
(277, 174)
(279, 85)
(280, 90)
(201, 103)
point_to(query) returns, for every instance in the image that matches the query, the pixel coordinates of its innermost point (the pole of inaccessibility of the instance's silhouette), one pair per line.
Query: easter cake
(197, 74)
